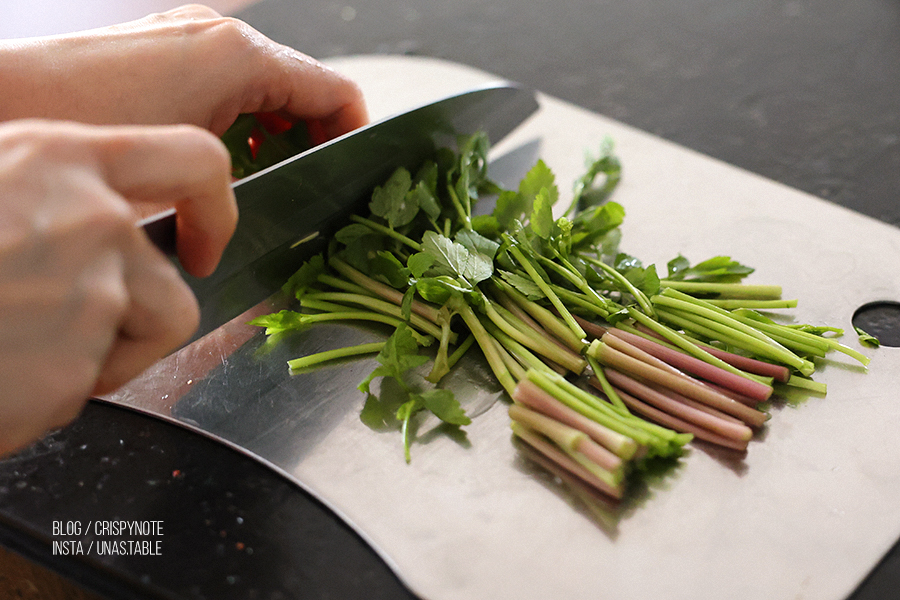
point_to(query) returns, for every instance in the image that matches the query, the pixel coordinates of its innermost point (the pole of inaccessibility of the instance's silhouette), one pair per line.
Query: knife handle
(160, 228)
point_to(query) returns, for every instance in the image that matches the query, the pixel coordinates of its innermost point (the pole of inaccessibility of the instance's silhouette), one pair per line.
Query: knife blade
(288, 211)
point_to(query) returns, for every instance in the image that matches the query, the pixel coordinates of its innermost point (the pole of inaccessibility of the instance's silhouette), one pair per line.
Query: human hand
(188, 65)
(86, 302)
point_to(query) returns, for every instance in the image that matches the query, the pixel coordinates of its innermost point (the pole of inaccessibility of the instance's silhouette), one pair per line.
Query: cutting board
(805, 513)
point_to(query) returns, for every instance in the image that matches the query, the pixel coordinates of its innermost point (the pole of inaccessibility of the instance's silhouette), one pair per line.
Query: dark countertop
(805, 93)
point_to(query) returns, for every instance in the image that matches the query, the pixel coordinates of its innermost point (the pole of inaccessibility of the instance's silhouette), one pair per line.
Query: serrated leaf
(444, 405)
(677, 266)
(589, 191)
(422, 197)
(720, 269)
(476, 243)
(384, 266)
(538, 177)
(511, 206)
(419, 263)
(390, 201)
(486, 225)
(451, 258)
(524, 285)
(401, 352)
(541, 219)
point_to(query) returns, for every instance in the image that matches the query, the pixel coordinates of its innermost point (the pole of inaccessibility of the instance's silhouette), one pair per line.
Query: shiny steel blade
(289, 211)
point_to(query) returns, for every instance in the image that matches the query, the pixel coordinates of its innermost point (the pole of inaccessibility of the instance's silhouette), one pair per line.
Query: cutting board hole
(881, 319)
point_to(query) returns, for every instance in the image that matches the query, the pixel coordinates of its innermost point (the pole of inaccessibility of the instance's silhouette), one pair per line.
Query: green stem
(545, 287)
(580, 301)
(605, 385)
(454, 199)
(684, 343)
(382, 290)
(328, 355)
(460, 350)
(343, 284)
(736, 303)
(441, 361)
(721, 320)
(639, 296)
(716, 330)
(381, 306)
(486, 343)
(807, 384)
(544, 317)
(522, 354)
(530, 339)
(387, 231)
(725, 290)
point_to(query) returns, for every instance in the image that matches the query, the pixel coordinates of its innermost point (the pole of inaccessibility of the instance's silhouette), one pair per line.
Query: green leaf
(439, 289)
(306, 276)
(407, 302)
(538, 177)
(360, 251)
(422, 197)
(588, 191)
(476, 243)
(473, 163)
(391, 202)
(386, 267)
(597, 222)
(648, 282)
(380, 371)
(419, 263)
(444, 405)
(625, 262)
(401, 353)
(511, 206)
(541, 219)
(676, 267)
(524, 285)
(719, 269)
(378, 415)
(350, 233)
(867, 339)
(433, 290)
(486, 225)
(280, 321)
(451, 258)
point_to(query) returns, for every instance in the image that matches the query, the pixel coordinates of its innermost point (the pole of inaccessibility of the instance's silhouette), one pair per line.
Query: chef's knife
(288, 211)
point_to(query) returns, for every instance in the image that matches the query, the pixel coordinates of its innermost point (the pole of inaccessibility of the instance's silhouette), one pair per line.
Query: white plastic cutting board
(811, 508)
(806, 513)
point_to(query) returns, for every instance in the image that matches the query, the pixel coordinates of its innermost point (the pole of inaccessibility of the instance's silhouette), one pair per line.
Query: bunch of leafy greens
(536, 294)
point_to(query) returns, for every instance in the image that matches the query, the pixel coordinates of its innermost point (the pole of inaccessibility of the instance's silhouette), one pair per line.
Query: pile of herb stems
(607, 365)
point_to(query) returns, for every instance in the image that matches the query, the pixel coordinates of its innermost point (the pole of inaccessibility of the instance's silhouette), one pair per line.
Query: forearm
(27, 73)
(103, 77)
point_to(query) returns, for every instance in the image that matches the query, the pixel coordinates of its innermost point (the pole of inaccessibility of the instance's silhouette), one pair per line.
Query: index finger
(179, 165)
(301, 88)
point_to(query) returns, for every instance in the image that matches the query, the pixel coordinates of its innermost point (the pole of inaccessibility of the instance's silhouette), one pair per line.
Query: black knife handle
(160, 228)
